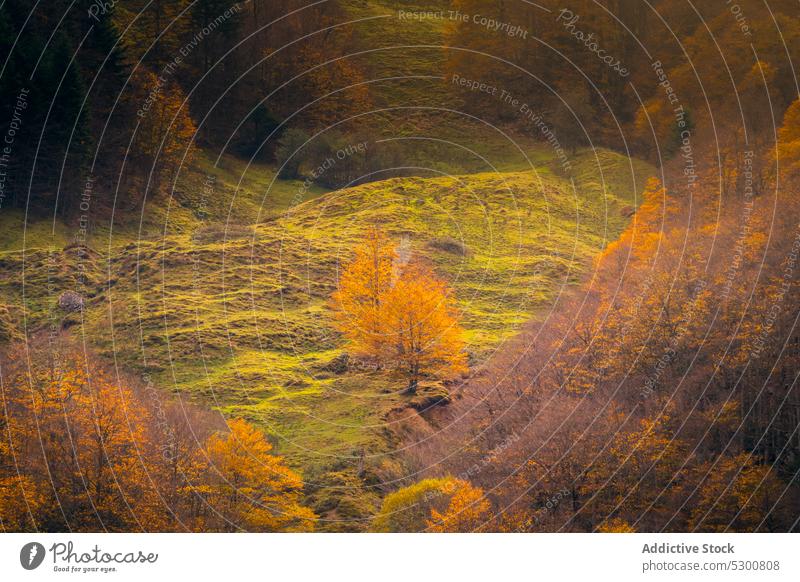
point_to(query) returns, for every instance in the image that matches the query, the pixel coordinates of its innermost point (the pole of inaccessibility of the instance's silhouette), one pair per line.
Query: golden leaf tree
(403, 316)
(83, 450)
(788, 145)
(83, 457)
(467, 511)
(442, 504)
(246, 486)
(165, 132)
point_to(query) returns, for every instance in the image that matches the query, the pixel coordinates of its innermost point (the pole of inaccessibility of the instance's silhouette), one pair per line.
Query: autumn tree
(82, 450)
(401, 315)
(358, 300)
(442, 504)
(421, 334)
(247, 487)
(84, 459)
(21, 498)
(737, 494)
(466, 512)
(165, 129)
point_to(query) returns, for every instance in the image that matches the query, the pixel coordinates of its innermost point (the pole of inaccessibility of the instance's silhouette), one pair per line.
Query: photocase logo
(31, 555)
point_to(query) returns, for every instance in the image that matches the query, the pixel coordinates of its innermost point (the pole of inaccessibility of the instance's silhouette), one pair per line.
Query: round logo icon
(31, 555)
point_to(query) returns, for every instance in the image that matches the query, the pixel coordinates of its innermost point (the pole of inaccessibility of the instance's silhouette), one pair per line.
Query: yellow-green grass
(240, 320)
(416, 105)
(383, 42)
(210, 192)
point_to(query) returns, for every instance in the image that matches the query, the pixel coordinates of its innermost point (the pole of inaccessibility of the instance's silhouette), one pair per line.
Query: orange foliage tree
(401, 315)
(84, 459)
(165, 127)
(246, 487)
(82, 451)
(789, 140)
(362, 285)
(467, 510)
(443, 504)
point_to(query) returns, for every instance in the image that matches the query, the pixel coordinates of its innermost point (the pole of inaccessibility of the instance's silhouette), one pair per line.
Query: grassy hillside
(235, 316)
(211, 190)
(415, 106)
(219, 291)
(409, 54)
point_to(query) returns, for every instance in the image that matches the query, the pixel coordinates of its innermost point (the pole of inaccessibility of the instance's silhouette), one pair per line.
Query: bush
(292, 151)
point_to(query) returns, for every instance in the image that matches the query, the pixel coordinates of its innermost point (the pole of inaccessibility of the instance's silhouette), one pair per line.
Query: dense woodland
(662, 396)
(659, 393)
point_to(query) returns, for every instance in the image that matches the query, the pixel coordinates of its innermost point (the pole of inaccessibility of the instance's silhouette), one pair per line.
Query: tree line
(85, 449)
(123, 96)
(591, 68)
(661, 396)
